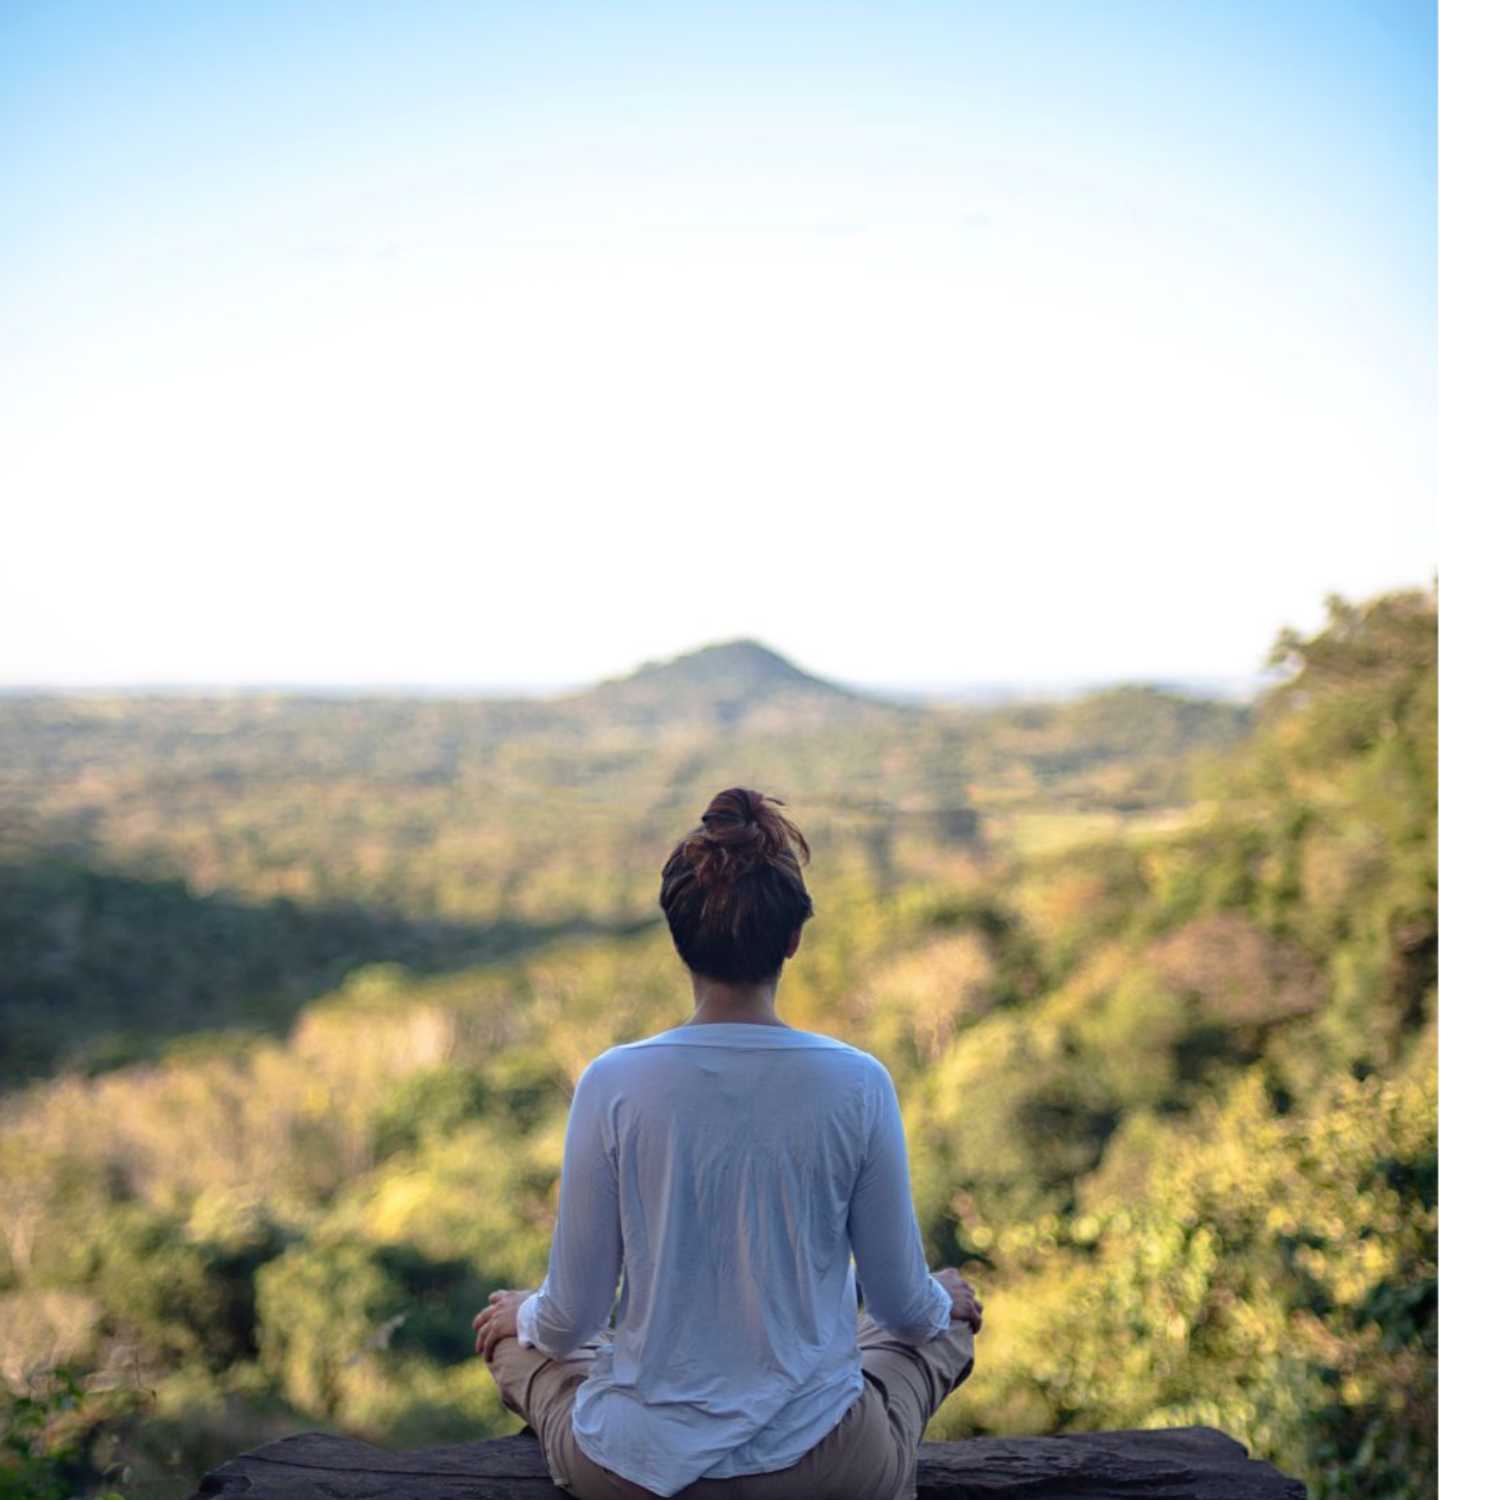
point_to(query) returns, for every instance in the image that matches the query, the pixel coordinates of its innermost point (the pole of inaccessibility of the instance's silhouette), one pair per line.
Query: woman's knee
(917, 1378)
(512, 1368)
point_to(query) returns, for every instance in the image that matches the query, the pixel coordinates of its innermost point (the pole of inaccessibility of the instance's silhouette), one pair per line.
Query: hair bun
(732, 818)
(741, 829)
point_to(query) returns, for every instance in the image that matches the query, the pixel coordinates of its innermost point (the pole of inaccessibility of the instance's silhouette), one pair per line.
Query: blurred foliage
(1273, 1275)
(170, 864)
(1159, 995)
(59, 1430)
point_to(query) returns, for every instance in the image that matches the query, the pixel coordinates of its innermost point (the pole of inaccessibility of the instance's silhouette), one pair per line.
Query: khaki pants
(870, 1455)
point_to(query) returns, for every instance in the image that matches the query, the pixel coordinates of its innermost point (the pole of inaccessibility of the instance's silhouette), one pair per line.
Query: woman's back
(741, 1164)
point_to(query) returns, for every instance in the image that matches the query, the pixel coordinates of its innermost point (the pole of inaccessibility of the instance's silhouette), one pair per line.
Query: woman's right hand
(967, 1308)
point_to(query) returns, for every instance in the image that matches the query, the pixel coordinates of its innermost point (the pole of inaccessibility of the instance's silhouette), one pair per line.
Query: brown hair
(732, 889)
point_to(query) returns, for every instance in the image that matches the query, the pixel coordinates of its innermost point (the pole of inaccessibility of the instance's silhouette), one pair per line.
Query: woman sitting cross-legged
(722, 1174)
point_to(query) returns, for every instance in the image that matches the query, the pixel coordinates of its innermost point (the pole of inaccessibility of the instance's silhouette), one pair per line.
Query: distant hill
(728, 684)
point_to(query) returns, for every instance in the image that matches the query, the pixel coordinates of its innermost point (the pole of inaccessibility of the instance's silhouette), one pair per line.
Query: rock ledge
(1180, 1463)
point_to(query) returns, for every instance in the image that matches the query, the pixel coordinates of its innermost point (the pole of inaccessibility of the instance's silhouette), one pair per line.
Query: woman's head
(732, 889)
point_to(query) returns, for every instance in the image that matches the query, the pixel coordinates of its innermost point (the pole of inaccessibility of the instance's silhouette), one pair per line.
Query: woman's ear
(794, 941)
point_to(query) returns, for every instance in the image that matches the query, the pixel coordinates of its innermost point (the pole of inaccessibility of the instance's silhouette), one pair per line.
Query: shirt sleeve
(526, 1322)
(901, 1294)
(574, 1300)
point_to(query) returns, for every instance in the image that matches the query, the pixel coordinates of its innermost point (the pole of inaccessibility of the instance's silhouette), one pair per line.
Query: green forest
(296, 989)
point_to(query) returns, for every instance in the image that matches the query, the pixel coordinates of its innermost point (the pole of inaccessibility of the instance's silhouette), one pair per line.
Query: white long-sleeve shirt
(729, 1171)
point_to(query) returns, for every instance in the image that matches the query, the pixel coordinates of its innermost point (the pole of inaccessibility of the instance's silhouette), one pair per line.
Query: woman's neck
(716, 1002)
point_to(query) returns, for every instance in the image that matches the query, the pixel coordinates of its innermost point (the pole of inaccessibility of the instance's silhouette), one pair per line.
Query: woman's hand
(967, 1308)
(497, 1321)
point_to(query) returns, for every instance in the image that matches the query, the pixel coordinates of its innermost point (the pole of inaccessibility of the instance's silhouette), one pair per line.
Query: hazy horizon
(936, 690)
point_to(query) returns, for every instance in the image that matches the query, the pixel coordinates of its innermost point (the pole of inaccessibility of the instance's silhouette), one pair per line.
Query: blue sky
(516, 344)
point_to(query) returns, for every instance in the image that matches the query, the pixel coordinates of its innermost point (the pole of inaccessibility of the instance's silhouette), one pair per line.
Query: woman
(729, 1168)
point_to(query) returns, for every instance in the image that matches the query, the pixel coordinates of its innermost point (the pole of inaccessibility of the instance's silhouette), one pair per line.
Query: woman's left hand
(497, 1321)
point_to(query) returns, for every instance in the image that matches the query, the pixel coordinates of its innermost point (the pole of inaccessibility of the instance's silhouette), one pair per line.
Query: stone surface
(1182, 1463)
